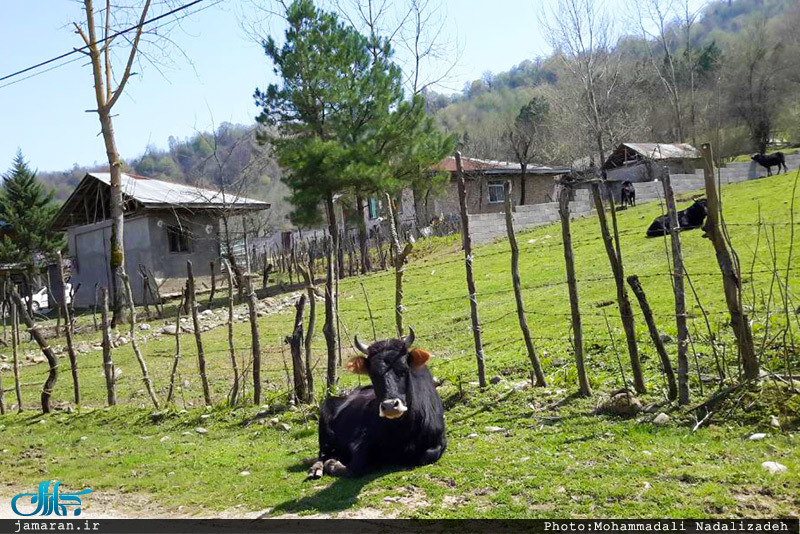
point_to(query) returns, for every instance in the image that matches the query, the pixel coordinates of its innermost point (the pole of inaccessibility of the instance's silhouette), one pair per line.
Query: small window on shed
(496, 193)
(178, 239)
(372, 207)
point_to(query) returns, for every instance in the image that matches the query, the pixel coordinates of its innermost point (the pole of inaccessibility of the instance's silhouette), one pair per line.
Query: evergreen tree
(26, 211)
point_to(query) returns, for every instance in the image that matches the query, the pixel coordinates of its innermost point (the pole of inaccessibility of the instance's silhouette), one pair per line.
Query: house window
(178, 239)
(496, 193)
(372, 208)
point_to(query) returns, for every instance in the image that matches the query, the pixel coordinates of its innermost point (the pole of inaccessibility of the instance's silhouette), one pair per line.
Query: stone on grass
(774, 467)
(165, 438)
(493, 429)
(201, 430)
(244, 473)
(144, 326)
(774, 422)
(757, 436)
(169, 330)
(661, 419)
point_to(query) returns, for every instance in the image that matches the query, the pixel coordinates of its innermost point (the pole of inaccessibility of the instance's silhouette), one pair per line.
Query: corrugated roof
(158, 193)
(488, 166)
(658, 151)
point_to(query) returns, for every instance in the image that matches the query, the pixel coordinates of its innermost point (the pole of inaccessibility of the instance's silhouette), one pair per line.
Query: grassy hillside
(514, 451)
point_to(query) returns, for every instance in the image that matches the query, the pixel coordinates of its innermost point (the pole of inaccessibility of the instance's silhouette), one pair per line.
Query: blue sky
(45, 115)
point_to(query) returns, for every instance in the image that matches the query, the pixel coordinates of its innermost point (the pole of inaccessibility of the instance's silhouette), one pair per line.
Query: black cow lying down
(771, 160)
(691, 217)
(398, 420)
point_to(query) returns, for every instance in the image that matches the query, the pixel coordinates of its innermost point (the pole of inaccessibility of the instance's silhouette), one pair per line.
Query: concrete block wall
(487, 227)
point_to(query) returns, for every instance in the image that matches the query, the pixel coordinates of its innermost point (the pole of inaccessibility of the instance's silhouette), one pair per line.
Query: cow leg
(316, 471)
(335, 468)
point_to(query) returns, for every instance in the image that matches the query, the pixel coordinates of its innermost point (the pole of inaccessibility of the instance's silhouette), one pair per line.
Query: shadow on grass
(341, 495)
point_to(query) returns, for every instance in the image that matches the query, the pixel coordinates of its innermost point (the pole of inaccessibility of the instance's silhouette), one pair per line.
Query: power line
(107, 38)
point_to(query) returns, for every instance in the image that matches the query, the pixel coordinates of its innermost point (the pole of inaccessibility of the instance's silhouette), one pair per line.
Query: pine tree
(26, 211)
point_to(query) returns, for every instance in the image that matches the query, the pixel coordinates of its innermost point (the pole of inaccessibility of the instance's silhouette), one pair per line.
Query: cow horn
(409, 339)
(360, 346)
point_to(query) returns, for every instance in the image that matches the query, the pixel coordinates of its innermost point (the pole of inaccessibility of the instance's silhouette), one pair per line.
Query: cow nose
(392, 408)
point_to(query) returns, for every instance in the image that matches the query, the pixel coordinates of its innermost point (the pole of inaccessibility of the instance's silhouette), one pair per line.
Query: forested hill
(230, 157)
(714, 57)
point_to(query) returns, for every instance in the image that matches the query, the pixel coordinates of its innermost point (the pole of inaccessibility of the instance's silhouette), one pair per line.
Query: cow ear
(418, 357)
(358, 365)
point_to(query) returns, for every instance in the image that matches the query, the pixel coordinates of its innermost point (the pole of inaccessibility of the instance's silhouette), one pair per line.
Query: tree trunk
(473, 300)
(730, 274)
(312, 319)
(108, 365)
(212, 265)
(399, 261)
(142, 364)
(329, 329)
(625, 309)
(680, 292)
(523, 323)
(636, 286)
(52, 376)
(295, 342)
(201, 355)
(252, 308)
(584, 388)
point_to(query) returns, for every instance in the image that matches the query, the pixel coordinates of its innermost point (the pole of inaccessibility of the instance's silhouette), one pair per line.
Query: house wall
(538, 189)
(145, 241)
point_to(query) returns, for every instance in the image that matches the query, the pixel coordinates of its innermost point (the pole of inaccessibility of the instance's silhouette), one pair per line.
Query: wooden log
(730, 273)
(679, 291)
(624, 303)
(108, 364)
(33, 330)
(473, 299)
(201, 355)
(666, 365)
(538, 372)
(295, 342)
(139, 357)
(584, 388)
(234, 396)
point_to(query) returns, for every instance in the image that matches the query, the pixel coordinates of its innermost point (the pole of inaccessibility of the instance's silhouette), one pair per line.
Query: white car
(41, 301)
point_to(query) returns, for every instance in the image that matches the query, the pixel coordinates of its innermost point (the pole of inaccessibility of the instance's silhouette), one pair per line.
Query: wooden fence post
(636, 286)
(625, 309)
(15, 353)
(295, 342)
(252, 309)
(73, 360)
(201, 355)
(467, 243)
(108, 365)
(212, 265)
(523, 323)
(584, 388)
(52, 376)
(679, 290)
(399, 261)
(730, 272)
(312, 319)
(235, 388)
(177, 358)
(142, 364)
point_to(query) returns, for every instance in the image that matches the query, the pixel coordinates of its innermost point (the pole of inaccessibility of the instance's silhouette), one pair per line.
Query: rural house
(166, 224)
(634, 161)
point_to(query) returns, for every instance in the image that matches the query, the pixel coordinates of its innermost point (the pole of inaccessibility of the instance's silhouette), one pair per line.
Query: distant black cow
(398, 420)
(771, 160)
(691, 217)
(628, 194)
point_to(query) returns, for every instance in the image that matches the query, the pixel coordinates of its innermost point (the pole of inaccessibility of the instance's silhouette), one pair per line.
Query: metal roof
(651, 151)
(153, 193)
(488, 166)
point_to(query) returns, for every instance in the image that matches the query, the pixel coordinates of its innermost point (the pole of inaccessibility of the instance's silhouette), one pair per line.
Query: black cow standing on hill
(771, 160)
(628, 194)
(691, 217)
(398, 420)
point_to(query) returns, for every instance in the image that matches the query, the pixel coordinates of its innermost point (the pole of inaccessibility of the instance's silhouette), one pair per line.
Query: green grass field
(511, 453)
